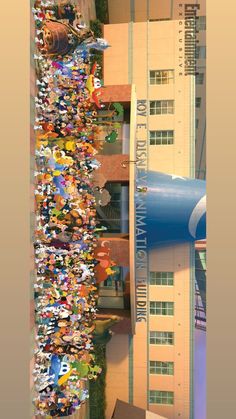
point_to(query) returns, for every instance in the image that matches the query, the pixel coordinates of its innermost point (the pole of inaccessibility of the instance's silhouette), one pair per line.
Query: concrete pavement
(88, 10)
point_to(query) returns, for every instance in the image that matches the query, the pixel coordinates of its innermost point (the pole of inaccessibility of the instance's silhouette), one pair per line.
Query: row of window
(164, 107)
(164, 137)
(161, 368)
(161, 107)
(201, 23)
(200, 52)
(161, 338)
(167, 76)
(161, 76)
(161, 308)
(162, 278)
(161, 397)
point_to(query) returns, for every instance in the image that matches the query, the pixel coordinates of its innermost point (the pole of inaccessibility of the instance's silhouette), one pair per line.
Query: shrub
(97, 56)
(97, 395)
(96, 27)
(102, 10)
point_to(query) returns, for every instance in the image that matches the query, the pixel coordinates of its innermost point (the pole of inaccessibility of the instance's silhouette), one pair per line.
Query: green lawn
(97, 56)
(102, 10)
(97, 397)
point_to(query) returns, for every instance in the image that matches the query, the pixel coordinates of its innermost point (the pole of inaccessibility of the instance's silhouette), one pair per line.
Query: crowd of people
(66, 229)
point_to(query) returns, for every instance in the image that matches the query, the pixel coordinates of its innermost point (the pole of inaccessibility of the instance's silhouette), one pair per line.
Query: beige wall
(151, 415)
(117, 74)
(120, 11)
(163, 47)
(175, 259)
(162, 40)
(147, 46)
(162, 10)
(116, 57)
(117, 372)
(140, 366)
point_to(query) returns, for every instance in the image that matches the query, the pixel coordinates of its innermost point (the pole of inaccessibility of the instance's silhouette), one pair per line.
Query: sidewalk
(88, 10)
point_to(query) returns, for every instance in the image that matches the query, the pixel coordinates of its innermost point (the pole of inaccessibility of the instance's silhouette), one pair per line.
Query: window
(161, 137)
(162, 278)
(111, 291)
(161, 308)
(160, 107)
(198, 102)
(161, 368)
(200, 78)
(196, 123)
(161, 397)
(109, 211)
(200, 52)
(161, 338)
(161, 76)
(159, 20)
(201, 23)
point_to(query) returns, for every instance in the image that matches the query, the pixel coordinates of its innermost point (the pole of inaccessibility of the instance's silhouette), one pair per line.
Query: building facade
(115, 201)
(122, 11)
(153, 368)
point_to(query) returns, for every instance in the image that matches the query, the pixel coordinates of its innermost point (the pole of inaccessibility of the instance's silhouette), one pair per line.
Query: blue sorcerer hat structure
(175, 209)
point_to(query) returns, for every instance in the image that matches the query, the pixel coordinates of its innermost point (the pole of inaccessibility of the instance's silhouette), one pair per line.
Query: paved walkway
(88, 10)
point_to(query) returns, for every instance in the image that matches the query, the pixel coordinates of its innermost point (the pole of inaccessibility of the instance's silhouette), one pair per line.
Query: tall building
(201, 100)
(152, 367)
(150, 357)
(121, 11)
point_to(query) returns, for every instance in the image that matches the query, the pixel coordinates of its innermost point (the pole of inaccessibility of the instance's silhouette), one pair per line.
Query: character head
(97, 83)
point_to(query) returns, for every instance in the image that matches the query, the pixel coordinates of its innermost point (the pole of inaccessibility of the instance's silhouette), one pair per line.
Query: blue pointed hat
(176, 209)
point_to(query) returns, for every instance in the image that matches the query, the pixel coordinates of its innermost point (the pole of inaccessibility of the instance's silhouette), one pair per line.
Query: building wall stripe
(130, 53)
(171, 9)
(192, 127)
(132, 10)
(131, 374)
(192, 329)
(202, 151)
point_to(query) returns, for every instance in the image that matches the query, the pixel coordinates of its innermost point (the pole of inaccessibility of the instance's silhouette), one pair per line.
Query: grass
(96, 27)
(102, 10)
(97, 396)
(97, 56)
